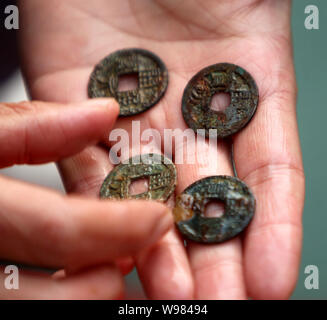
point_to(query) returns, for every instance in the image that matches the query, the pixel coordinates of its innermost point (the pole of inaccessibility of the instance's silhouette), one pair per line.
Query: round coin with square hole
(220, 78)
(159, 170)
(189, 211)
(152, 77)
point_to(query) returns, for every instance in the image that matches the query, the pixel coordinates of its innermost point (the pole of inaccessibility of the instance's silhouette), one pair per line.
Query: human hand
(63, 41)
(88, 239)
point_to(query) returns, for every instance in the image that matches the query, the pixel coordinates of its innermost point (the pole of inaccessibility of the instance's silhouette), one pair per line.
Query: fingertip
(98, 102)
(154, 218)
(102, 104)
(149, 221)
(110, 104)
(91, 119)
(163, 220)
(152, 208)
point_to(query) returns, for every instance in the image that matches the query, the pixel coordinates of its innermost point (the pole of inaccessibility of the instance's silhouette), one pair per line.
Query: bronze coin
(226, 78)
(159, 170)
(191, 204)
(152, 80)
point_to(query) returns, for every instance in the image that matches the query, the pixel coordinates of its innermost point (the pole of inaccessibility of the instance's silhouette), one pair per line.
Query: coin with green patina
(189, 211)
(151, 73)
(220, 78)
(159, 170)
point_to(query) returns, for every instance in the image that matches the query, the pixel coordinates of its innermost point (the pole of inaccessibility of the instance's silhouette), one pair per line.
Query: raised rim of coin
(191, 204)
(220, 78)
(151, 165)
(104, 79)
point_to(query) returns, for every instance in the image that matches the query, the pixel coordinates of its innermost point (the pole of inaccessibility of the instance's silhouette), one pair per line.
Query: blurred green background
(310, 51)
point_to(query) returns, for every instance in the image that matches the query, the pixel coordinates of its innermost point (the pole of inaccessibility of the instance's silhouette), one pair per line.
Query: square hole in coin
(214, 209)
(138, 186)
(220, 101)
(128, 82)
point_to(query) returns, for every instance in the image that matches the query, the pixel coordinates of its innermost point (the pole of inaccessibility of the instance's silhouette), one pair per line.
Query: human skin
(84, 239)
(63, 41)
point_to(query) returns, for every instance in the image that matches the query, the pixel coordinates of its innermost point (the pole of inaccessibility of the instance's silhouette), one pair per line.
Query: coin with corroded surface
(225, 78)
(159, 170)
(191, 204)
(152, 79)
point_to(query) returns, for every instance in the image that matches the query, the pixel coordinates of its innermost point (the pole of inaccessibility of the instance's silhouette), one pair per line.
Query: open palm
(62, 42)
